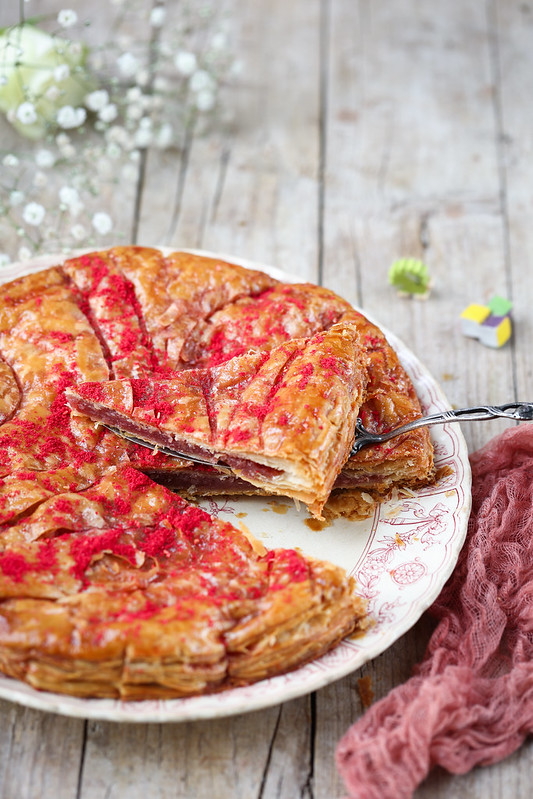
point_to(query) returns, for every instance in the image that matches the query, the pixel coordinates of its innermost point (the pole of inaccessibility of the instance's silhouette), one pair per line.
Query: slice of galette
(125, 590)
(283, 420)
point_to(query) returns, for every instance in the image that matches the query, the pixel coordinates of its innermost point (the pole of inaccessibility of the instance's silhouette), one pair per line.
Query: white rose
(24, 85)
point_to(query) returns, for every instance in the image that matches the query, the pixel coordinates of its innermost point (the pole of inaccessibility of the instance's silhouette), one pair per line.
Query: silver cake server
(518, 411)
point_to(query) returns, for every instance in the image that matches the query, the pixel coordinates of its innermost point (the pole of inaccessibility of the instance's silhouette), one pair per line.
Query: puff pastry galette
(125, 590)
(110, 584)
(282, 420)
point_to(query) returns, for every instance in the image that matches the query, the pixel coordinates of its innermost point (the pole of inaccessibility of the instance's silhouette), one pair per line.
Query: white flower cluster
(91, 112)
(47, 216)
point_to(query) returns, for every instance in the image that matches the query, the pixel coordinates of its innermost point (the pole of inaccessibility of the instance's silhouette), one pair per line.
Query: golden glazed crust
(101, 592)
(124, 590)
(283, 419)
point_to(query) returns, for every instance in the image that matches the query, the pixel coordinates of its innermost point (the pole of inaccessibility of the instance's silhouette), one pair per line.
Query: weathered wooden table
(363, 131)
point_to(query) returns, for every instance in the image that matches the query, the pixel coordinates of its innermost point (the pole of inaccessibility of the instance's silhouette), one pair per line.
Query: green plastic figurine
(410, 277)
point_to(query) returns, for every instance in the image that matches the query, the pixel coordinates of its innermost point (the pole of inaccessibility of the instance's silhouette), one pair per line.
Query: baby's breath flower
(70, 200)
(24, 254)
(68, 195)
(205, 100)
(45, 158)
(26, 113)
(201, 80)
(67, 18)
(69, 117)
(142, 77)
(102, 223)
(68, 151)
(32, 63)
(78, 232)
(40, 180)
(219, 41)
(133, 94)
(185, 62)
(129, 172)
(52, 93)
(113, 150)
(161, 84)
(4, 259)
(164, 136)
(61, 72)
(143, 137)
(16, 197)
(47, 90)
(97, 100)
(108, 113)
(117, 134)
(157, 16)
(127, 65)
(33, 214)
(134, 111)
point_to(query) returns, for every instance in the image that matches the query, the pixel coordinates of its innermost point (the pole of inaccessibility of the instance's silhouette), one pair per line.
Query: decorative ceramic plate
(400, 557)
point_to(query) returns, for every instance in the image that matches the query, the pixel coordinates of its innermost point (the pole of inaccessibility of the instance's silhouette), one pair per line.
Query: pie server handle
(519, 411)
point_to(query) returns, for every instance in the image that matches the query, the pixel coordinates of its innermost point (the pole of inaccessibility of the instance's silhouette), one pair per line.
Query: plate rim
(278, 691)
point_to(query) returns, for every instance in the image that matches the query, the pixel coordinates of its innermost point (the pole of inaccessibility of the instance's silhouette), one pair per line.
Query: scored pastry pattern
(132, 313)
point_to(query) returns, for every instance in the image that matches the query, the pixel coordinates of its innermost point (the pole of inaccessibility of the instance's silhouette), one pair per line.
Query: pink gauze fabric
(470, 701)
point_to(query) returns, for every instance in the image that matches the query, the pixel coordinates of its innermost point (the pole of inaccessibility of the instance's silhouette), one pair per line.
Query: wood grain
(359, 132)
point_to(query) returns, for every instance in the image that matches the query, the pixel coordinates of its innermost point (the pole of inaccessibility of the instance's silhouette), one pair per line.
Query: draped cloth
(470, 701)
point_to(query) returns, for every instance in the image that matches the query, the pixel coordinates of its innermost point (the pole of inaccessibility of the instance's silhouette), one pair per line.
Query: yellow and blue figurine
(490, 324)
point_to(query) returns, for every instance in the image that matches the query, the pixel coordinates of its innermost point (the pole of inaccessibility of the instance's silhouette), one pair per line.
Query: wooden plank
(220, 757)
(40, 754)
(289, 771)
(252, 191)
(427, 145)
(513, 27)
(412, 171)
(341, 704)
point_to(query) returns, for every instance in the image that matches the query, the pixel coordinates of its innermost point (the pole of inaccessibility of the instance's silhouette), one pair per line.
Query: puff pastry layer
(125, 590)
(282, 420)
(102, 593)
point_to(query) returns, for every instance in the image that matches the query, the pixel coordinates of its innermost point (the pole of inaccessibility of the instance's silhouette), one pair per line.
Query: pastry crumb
(366, 694)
